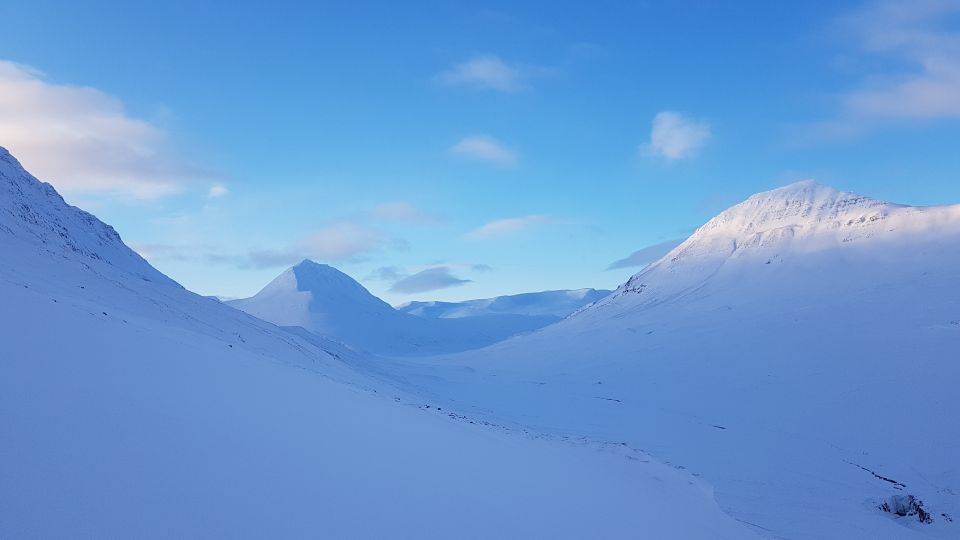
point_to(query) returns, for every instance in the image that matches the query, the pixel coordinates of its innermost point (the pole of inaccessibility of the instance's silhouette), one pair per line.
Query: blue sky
(441, 151)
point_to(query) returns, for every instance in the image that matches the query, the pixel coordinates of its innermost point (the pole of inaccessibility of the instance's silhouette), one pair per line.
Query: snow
(798, 352)
(557, 304)
(330, 303)
(134, 408)
(785, 372)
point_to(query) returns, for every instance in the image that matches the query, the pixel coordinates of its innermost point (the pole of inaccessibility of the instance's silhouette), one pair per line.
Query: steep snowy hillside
(556, 304)
(799, 351)
(132, 408)
(330, 303)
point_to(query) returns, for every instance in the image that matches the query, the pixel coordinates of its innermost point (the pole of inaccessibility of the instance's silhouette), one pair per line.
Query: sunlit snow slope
(801, 352)
(132, 408)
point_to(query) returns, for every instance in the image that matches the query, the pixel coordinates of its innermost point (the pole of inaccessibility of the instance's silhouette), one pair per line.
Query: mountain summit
(804, 221)
(35, 217)
(329, 303)
(799, 350)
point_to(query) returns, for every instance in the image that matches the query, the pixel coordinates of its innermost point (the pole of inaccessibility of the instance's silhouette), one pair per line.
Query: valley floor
(115, 425)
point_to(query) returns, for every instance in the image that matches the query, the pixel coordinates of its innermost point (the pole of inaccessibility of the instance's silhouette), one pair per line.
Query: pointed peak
(7, 157)
(310, 264)
(314, 272)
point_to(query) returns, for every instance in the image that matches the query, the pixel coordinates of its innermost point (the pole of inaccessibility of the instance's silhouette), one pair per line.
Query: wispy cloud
(83, 141)
(674, 136)
(919, 43)
(193, 253)
(646, 255)
(342, 241)
(218, 190)
(386, 273)
(266, 258)
(485, 148)
(506, 227)
(403, 212)
(431, 279)
(486, 72)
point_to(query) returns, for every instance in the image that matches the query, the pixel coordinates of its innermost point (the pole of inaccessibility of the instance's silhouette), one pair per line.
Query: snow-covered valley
(329, 303)
(799, 352)
(134, 408)
(784, 373)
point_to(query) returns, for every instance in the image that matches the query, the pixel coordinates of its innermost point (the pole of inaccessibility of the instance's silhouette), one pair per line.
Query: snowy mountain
(330, 303)
(134, 408)
(556, 304)
(798, 351)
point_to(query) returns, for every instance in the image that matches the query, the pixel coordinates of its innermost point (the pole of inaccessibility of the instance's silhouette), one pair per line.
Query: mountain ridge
(799, 371)
(557, 303)
(328, 302)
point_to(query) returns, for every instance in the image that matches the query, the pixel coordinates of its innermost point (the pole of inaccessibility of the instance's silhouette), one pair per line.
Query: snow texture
(132, 408)
(799, 351)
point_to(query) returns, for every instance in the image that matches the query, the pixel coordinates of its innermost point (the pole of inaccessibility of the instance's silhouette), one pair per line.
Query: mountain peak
(308, 263)
(323, 284)
(768, 223)
(805, 204)
(312, 275)
(37, 218)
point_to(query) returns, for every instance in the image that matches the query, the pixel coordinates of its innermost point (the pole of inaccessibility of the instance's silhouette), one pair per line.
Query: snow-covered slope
(132, 408)
(330, 303)
(556, 304)
(799, 351)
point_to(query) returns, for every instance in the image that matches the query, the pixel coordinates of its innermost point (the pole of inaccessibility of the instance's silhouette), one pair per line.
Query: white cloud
(505, 227)
(484, 148)
(674, 136)
(486, 72)
(923, 35)
(83, 141)
(217, 191)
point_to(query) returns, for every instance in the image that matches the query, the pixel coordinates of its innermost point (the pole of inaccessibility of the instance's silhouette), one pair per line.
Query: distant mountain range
(329, 303)
(801, 350)
(557, 304)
